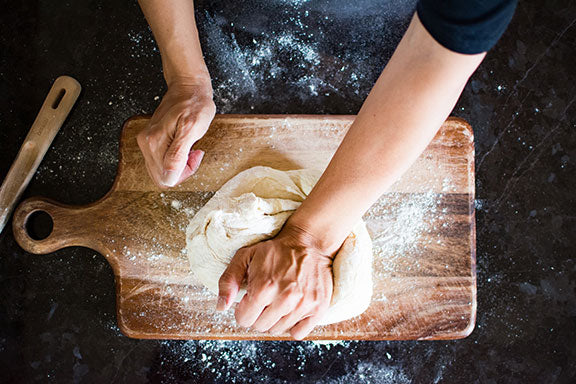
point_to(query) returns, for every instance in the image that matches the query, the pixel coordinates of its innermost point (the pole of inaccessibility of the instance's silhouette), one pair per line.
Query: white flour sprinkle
(403, 220)
(288, 53)
(405, 230)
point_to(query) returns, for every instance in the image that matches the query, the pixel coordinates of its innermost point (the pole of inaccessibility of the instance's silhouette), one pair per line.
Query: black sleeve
(466, 26)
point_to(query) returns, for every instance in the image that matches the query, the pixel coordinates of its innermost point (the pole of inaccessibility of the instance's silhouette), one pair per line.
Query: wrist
(190, 75)
(303, 234)
(197, 85)
(189, 79)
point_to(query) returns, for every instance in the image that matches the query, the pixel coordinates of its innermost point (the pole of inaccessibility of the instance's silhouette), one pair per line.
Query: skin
(289, 277)
(187, 108)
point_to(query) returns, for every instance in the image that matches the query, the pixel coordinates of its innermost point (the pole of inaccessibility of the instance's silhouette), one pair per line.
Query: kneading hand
(182, 118)
(288, 282)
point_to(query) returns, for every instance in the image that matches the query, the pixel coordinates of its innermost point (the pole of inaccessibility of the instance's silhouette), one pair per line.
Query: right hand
(182, 118)
(289, 283)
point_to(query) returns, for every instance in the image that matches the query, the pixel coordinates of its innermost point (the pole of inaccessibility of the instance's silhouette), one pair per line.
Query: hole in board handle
(39, 225)
(58, 98)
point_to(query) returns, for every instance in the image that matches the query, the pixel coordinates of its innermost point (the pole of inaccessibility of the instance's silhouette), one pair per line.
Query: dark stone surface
(57, 312)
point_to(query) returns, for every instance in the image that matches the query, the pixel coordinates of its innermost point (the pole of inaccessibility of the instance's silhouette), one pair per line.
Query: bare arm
(410, 101)
(413, 96)
(175, 31)
(187, 109)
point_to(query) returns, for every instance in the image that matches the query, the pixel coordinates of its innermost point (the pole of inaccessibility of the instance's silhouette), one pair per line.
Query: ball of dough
(252, 207)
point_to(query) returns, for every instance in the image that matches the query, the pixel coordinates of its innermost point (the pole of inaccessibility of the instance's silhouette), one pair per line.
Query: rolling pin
(56, 107)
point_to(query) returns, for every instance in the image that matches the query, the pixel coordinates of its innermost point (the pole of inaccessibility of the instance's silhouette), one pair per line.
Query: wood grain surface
(54, 111)
(423, 230)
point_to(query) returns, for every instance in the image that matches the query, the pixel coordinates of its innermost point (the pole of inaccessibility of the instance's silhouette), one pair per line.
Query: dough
(253, 206)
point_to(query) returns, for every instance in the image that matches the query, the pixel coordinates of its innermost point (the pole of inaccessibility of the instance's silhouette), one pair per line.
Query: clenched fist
(182, 118)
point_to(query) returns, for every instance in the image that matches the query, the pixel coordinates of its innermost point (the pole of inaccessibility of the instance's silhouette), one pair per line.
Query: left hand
(289, 284)
(182, 118)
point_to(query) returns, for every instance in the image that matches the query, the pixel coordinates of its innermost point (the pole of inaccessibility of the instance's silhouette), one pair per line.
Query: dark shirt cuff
(466, 26)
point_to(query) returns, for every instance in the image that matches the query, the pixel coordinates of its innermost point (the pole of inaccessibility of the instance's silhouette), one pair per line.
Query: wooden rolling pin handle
(63, 232)
(54, 111)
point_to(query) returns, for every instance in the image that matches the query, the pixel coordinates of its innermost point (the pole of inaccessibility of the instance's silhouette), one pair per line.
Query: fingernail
(221, 303)
(170, 178)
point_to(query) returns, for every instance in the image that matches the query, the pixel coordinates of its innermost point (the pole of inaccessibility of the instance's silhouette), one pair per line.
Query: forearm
(408, 104)
(174, 28)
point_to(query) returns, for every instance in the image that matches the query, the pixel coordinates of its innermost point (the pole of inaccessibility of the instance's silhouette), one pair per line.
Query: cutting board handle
(66, 229)
(56, 107)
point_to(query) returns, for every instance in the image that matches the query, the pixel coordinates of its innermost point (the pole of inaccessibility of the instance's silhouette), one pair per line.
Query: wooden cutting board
(423, 231)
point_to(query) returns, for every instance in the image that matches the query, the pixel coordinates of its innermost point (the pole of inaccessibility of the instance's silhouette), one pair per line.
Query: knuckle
(316, 297)
(142, 139)
(155, 133)
(315, 302)
(209, 109)
(309, 307)
(259, 294)
(263, 285)
(314, 310)
(293, 292)
(320, 307)
(195, 125)
(291, 287)
(186, 123)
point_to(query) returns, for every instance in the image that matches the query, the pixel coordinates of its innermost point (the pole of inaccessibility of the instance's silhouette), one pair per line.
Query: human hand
(289, 284)
(182, 118)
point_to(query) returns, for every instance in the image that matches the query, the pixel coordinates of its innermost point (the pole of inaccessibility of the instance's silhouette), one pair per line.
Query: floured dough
(253, 206)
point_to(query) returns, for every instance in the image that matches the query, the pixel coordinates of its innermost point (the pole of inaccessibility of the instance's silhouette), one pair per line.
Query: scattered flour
(405, 220)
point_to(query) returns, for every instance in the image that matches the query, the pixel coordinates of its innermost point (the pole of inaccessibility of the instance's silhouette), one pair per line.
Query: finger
(194, 159)
(149, 166)
(160, 139)
(275, 311)
(187, 132)
(288, 321)
(257, 298)
(231, 279)
(152, 175)
(150, 147)
(176, 155)
(141, 139)
(305, 326)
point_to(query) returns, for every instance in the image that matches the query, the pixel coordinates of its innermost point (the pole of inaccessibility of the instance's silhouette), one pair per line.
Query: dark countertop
(57, 311)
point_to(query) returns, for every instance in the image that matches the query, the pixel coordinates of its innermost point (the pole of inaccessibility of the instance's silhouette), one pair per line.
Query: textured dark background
(57, 312)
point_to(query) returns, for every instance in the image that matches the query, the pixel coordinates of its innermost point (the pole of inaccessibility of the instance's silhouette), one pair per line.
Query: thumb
(194, 159)
(232, 278)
